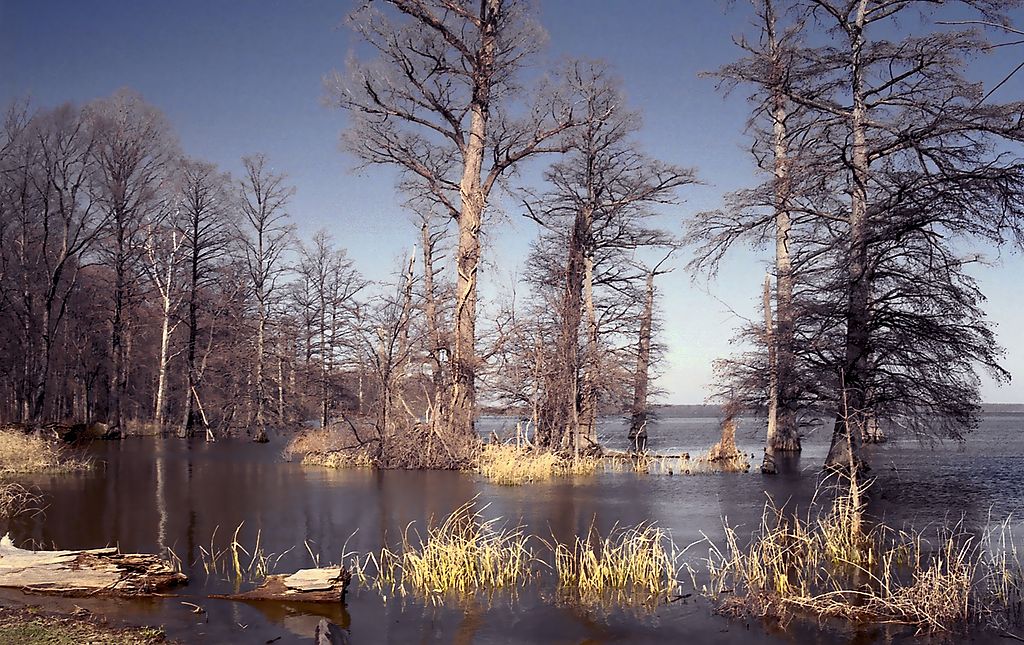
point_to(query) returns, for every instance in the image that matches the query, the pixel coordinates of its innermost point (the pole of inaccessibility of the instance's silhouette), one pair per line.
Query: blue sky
(241, 77)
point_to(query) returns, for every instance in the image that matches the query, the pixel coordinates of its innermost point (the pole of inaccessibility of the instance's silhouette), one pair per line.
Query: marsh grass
(632, 565)
(460, 557)
(834, 565)
(16, 499)
(26, 453)
(236, 563)
(511, 464)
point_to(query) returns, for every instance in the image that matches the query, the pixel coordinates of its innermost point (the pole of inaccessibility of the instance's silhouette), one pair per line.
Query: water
(150, 494)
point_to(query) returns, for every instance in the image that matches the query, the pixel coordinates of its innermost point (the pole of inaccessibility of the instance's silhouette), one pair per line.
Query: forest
(135, 279)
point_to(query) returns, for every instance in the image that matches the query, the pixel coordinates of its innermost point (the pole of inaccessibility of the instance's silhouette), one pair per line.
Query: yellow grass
(512, 465)
(15, 499)
(631, 565)
(832, 566)
(461, 556)
(23, 453)
(330, 447)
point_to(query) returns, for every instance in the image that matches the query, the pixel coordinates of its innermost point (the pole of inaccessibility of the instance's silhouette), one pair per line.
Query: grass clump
(513, 465)
(834, 566)
(33, 627)
(27, 453)
(630, 565)
(463, 555)
(331, 447)
(235, 562)
(15, 499)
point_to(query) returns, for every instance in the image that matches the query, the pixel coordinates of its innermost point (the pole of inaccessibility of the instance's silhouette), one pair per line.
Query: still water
(149, 494)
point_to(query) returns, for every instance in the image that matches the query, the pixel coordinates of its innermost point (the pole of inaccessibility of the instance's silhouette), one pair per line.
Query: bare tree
(602, 192)
(210, 237)
(436, 104)
(333, 284)
(133, 149)
(268, 235)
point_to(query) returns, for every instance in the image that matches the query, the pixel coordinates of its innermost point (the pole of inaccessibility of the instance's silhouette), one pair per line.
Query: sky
(239, 77)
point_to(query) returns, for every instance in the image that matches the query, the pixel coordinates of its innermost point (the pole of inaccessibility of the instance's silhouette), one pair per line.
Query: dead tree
(600, 195)
(437, 103)
(264, 197)
(210, 238)
(132, 154)
(641, 379)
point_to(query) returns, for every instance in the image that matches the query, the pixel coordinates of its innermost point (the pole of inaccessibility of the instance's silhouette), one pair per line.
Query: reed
(27, 453)
(235, 562)
(832, 565)
(463, 555)
(631, 565)
(511, 464)
(354, 458)
(16, 499)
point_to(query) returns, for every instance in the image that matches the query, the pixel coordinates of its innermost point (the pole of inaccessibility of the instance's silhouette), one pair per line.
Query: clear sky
(241, 77)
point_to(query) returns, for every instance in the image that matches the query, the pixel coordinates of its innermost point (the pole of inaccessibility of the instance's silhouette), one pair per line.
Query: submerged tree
(594, 217)
(438, 104)
(889, 153)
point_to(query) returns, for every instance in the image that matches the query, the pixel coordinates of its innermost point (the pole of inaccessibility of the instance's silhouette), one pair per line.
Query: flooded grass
(463, 555)
(235, 562)
(629, 566)
(26, 453)
(16, 499)
(513, 465)
(833, 566)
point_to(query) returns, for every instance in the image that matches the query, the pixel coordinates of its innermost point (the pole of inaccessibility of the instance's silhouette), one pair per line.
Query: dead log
(326, 584)
(327, 633)
(88, 572)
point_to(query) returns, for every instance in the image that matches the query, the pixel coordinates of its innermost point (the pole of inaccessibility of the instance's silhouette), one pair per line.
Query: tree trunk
(259, 393)
(785, 437)
(638, 421)
(768, 465)
(161, 379)
(473, 200)
(588, 395)
(845, 451)
(117, 339)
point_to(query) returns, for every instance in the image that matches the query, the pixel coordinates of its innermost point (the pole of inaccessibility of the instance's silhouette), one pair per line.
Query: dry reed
(16, 499)
(512, 465)
(26, 453)
(832, 565)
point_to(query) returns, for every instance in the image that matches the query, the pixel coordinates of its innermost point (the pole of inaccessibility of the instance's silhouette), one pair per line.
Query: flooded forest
(226, 419)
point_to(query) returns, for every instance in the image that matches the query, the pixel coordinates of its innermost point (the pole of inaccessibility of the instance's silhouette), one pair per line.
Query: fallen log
(326, 584)
(105, 572)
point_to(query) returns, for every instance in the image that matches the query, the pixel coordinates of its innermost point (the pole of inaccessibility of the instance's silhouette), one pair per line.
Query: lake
(149, 494)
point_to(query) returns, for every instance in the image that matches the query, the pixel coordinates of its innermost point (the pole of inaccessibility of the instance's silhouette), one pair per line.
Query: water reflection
(151, 494)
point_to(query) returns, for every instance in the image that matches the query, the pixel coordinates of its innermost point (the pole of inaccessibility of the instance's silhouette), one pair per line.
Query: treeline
(142, 286)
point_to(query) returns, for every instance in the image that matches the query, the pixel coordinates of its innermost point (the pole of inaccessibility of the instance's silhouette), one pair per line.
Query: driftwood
(85, 573)
(327, 584)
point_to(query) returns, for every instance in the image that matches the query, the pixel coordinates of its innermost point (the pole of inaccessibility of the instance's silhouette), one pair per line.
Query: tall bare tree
(210, 237)
(131, 155)
(264, 196)
(436, 104)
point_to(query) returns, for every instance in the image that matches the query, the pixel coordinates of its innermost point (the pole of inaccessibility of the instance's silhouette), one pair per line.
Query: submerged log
(85, 573)
(327, 633)
(327, 584)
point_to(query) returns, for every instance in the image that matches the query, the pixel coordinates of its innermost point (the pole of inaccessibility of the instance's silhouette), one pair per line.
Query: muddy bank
(37, 626)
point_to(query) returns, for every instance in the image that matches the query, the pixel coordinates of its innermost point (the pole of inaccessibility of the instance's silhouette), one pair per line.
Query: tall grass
(26, 453)
(16, 499)
(630, 565)
(515, 464)
(833, 565)
(461, 556)
(235, 562)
